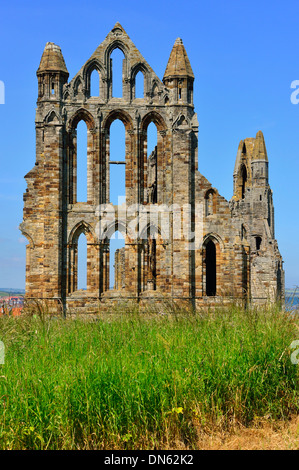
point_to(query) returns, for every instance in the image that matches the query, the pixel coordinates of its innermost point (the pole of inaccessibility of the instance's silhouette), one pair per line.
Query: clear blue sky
(244, 55)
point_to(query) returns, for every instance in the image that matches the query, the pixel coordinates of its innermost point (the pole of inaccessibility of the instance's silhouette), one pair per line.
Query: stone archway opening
(117, 162)
(139, 85)
(117, 58)
(82, 262)
(210, 269)
(152, 169)
(117, 261)
(95, 83)
(82, 162)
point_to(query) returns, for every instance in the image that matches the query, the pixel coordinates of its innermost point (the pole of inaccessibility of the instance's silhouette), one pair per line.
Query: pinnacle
(260, 152)
(178, 63)
(52, 59)
(259, 134)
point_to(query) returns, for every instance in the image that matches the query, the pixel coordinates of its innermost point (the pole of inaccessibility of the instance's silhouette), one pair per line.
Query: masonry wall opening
(151, 138)
(81, 162)
(117, 261)
(244, 180)
(117, 58)
(94, 83)
(117, 161)
(152, 168)
(210, 269)
(82, 262)
(139, 85)
(258, 242)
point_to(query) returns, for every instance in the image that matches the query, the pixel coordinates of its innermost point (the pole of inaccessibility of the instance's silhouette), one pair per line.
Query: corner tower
(52, 74)
(253, 213)
(178, 76)
(43, 200)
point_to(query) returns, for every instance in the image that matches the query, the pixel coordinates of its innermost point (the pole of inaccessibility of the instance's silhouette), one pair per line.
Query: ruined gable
(183, 241)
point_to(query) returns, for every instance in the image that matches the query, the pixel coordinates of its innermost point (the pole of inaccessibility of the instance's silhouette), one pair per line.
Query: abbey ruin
(183, 240)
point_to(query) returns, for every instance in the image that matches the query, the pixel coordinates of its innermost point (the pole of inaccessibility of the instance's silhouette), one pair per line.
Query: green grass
(136, 381)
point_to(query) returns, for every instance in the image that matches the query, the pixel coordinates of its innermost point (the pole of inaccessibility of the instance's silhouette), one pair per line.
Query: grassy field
(143, 381)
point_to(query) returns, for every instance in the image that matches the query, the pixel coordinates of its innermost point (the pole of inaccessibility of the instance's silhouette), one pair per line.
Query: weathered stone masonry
(237, 254)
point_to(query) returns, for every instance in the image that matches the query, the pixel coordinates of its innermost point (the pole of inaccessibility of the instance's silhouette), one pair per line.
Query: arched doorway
(210, 268)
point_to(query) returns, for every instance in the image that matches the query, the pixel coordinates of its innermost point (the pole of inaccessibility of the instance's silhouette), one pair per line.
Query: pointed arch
(150, 229)
(81, 227)
(122, 168)
(156, 118)
(78, 85)
(81, 114)
(92, 66)
(212, 260)
(215, 238)
(139, 67)
(82, 262)
(52, 117)
(66, 95)
(117, 272)
(210, 268)
(82, 161)
(91, 257)
(94, 84)
(117, 59)
(115, 226)
(120, 114)
(117, 171)
(136, 71)
(151, 170)
(72, 163)
(113, 273)
(139, 85)
(155, 88)
(151, 248)
(181, 121)
(116, 44)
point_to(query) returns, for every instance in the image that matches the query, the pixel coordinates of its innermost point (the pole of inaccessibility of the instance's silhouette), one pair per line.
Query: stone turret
(253, 211)
(52, 73)
(178, 75)
(259, 163)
